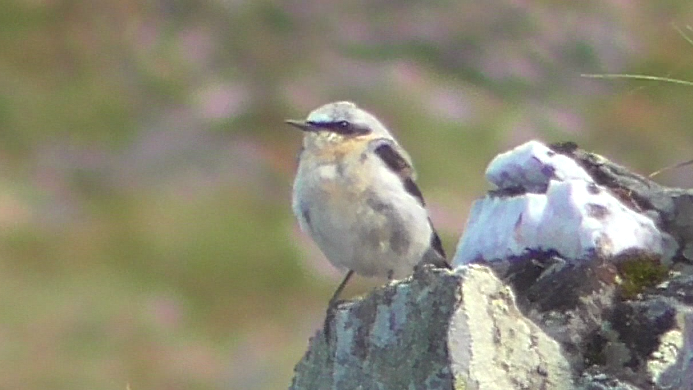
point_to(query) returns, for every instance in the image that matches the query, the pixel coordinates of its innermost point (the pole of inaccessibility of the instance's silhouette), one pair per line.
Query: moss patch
(640, 273)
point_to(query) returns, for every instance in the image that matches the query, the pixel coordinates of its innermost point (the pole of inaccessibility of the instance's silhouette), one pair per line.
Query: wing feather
(396, 160)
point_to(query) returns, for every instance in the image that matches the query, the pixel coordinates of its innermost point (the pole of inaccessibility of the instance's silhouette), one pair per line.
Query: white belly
(365, 223)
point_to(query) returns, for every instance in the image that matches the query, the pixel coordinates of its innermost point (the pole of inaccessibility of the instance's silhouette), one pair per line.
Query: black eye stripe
(341, 127)
(337, 126)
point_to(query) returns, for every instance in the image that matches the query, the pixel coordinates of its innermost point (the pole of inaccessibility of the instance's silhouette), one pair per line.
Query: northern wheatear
(355, 195)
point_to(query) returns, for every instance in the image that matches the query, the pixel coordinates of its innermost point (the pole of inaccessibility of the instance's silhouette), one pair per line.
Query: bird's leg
(341, 286)
(332, 305)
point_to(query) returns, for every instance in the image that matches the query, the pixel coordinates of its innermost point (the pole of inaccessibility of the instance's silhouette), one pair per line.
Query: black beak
(300, 124)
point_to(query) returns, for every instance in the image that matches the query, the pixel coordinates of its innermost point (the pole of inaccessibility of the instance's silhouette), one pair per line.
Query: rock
(437, 330)
(593, 379)
(546, 201)
(672, 364)
(574, 274)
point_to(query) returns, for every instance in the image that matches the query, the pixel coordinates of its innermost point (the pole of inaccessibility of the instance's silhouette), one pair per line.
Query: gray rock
(437, 330)
(537, 320)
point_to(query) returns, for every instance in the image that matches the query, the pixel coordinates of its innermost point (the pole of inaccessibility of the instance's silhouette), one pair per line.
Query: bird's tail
(433, 257)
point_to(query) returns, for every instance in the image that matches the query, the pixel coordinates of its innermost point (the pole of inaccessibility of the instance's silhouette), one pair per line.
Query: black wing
(386, 150)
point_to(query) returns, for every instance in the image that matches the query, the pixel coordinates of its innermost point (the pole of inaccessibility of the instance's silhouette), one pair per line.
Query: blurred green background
(146, 235)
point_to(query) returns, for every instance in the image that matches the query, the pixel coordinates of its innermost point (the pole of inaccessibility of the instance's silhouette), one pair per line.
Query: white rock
(532, 165)
(568, 213)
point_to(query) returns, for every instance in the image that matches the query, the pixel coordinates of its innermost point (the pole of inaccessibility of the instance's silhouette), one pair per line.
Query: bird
(354, 194)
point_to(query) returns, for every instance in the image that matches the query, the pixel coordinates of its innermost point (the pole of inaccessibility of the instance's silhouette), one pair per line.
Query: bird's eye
(343, 124)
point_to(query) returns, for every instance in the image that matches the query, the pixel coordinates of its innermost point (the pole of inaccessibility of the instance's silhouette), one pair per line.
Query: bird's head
(334, 123)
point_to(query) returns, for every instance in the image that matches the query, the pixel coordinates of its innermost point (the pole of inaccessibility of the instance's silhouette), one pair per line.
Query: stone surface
(547, 201)
(437, 330)
(530, 319)
(396, 338)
